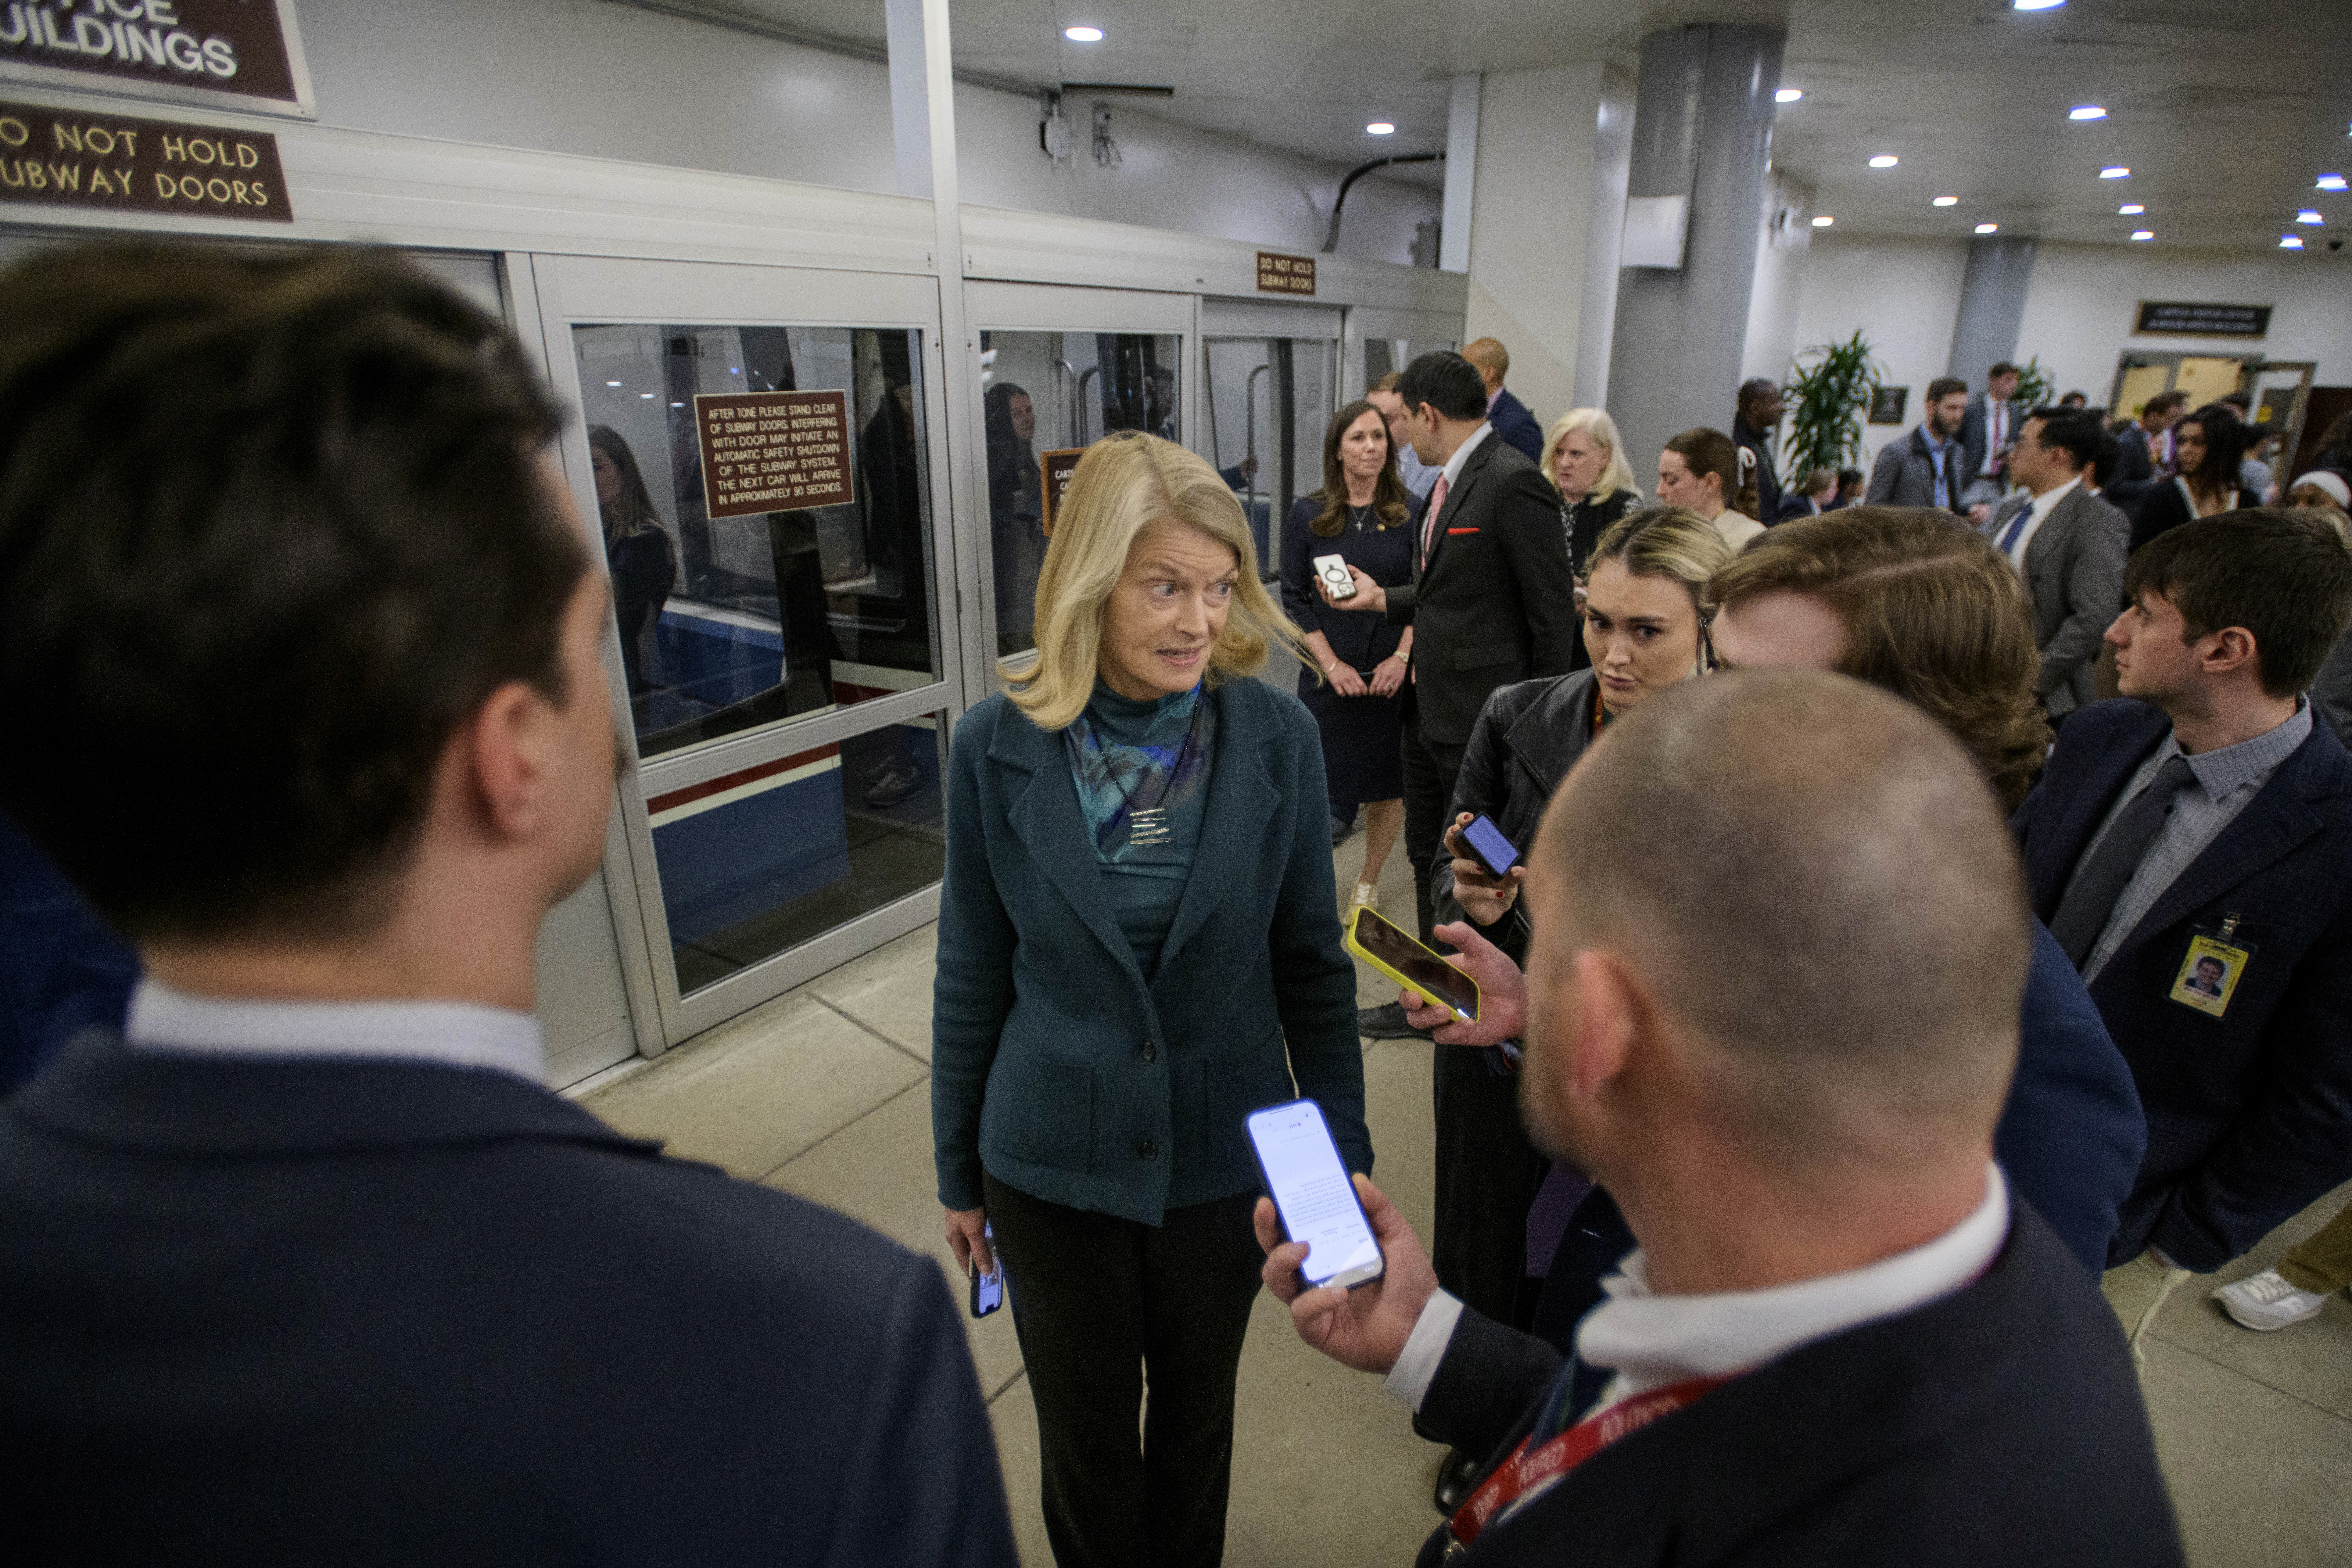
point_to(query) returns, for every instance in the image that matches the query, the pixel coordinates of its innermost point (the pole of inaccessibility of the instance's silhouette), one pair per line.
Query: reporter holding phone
(1364, 516)
(1138, 946)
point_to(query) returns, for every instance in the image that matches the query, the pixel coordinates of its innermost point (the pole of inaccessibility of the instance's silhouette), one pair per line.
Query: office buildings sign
(1279, 274)
(2181, 319)
(111, 162)
(238, 54)
(773, 451)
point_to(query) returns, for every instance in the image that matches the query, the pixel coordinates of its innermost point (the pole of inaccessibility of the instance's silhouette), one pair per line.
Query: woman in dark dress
(1015, 508)
(1584, 459)
(1362, 515)
(2209, 449)
(637, 549)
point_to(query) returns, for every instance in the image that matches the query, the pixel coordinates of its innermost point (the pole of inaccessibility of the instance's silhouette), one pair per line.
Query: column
(1461, 175)
(1992, 307)
(1702, 130)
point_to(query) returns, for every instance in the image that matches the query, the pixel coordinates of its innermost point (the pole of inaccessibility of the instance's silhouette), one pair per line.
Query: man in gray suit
(1927, 467)
(2068, 545)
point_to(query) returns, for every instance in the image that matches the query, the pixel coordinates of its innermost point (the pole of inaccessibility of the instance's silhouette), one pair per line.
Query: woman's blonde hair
(1672, 543)
(1616, 474)
(1124, 485)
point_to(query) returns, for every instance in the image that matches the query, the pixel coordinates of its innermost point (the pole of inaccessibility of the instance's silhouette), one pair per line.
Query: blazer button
(1147, 1149)
(1151, 1051)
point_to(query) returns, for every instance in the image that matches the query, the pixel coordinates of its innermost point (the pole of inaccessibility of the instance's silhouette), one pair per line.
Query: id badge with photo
(2209, 972)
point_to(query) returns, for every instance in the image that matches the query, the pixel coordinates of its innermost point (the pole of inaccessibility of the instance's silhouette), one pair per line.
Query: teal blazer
(1055, 1066)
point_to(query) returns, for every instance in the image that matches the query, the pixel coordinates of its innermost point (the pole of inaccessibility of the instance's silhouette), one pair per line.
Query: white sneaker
(2266, 1302)
(1366, 895)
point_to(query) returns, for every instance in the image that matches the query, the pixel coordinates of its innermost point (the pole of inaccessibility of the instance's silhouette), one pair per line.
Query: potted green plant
(2035, 389)
(1829, 395)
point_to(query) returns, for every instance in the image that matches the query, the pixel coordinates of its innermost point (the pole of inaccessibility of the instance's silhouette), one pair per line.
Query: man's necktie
(2090, 900)
(2016, 527)
(1429, 529)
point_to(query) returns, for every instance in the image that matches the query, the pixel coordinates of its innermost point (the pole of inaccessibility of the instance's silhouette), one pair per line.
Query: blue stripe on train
(724, 866)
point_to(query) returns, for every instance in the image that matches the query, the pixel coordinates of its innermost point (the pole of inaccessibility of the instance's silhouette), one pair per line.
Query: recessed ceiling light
(1083, 35)
(1945, 202)
(2142, 234)
(2331, 181)
(1885, 160)
(1988, 227)
(611, 384)
(2131, 209)
(2309, 214)
(1380, 128)
(1823, 221)
(2087, 111)
(2114, 171)
(644, 394)
(2036, 4)
(2290, 242)
(1788, 95)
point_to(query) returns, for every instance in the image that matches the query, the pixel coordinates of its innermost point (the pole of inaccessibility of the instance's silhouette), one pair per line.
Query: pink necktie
(1429, 529)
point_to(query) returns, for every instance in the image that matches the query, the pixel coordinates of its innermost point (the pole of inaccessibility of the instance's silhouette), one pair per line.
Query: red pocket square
(1452, 531)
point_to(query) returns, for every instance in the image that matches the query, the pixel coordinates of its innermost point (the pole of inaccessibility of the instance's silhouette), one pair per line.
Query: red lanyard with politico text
(1563, 1454)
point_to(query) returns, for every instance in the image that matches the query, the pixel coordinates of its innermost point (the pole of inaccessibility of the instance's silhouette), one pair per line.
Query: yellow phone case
(1406, 981)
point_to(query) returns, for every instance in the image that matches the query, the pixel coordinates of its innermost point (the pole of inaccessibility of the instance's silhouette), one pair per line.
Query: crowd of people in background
(1926, 921)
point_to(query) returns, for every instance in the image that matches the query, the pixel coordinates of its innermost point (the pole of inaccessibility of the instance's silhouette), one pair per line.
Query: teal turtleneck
(1141, 768)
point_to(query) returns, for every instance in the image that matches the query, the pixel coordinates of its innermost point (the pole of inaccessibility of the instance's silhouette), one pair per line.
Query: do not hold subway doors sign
(773, 451)
(111, 162)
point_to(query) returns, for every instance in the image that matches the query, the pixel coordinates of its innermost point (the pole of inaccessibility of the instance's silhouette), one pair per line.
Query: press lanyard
(1527, 1468)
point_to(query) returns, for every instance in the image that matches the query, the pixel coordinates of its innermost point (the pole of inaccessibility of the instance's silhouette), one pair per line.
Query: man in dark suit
(2068, 545)
(1755, 425)
(1842, 1341)
(304, 1265)
(1925, 468)
(1510, 418)
(2138, 466)
(2208, 813)
(1989, 428)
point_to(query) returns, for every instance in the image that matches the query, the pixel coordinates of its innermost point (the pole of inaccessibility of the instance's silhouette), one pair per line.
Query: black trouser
(1487, 1173)
(1431, 768)
(1102, 1305)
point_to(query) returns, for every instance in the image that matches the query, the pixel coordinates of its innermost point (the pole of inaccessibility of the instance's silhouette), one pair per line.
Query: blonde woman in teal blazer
(1139, 944)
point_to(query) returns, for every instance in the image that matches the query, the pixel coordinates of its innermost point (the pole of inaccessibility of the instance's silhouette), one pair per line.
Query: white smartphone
(1333, 570)
(1312, 1194)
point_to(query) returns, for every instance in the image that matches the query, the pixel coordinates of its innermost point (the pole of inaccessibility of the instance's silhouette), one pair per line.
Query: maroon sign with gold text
(773, 451)
(240, 52)
(111, 163)
(1279, 274)
(1056, 468)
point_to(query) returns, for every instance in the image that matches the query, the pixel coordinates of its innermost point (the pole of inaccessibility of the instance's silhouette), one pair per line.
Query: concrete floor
(824, 1092)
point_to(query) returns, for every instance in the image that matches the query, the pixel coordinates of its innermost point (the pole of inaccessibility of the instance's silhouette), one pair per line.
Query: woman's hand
(968, 1234)
(1369, 596)
(1388, 676)
(1483, 898)
(1344, 679)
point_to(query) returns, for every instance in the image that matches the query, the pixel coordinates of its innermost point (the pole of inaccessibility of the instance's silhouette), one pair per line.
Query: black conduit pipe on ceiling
(1331, 236)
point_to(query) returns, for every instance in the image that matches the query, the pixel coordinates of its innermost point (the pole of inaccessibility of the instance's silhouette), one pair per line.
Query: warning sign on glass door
(773, 451)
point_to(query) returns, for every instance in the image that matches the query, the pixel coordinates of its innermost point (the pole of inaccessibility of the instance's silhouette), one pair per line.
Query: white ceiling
(2225, 110)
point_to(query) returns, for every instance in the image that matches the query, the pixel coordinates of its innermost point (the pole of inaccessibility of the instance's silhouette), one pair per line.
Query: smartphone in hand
(1393, 951)
(1333, 570)
(987, 1290)
(1313, 1195)
(1486, 845)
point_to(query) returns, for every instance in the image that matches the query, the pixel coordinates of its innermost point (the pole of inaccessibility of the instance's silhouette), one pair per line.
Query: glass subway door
(757, 451)
(1267, 398)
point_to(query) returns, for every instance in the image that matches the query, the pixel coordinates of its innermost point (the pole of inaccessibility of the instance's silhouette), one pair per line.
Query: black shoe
(1340, 831)
(1386, 1022)
(1455, 1478)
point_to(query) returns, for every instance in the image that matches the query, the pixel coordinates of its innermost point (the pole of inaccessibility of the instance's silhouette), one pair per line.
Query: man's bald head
(1492, 359)
(1811, 882)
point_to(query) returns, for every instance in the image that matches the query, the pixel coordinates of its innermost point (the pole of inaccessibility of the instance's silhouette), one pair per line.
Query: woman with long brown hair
(1364, 516)
(2209, 452)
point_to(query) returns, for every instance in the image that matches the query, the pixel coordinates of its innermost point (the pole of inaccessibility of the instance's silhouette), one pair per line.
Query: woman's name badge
(2210, 974)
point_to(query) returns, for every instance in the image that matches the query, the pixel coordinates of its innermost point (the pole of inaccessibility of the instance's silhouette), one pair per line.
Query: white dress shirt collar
(454, 1034)
(1651, 1341)
(1453, 469)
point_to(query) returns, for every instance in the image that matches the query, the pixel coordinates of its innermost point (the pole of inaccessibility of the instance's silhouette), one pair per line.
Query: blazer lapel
(2051, 532)
(1242, 802)
(1053, 830)
(2273, 823)
(1471, 468)
(2109, 773)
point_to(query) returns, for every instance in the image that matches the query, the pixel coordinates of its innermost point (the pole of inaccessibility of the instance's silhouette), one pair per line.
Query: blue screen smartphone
(987, 1290)
(1312, 1194)
(1489, 847)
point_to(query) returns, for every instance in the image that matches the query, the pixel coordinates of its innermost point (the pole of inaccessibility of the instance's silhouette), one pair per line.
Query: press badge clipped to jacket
(2210, 974)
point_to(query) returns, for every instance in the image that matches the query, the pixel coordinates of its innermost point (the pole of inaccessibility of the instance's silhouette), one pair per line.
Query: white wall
(605, 80)
(1903, 294)
(1779, 292)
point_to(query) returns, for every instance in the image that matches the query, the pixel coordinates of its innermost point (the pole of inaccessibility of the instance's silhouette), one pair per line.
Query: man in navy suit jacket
(1514, 425)
(1841, 1340)
(2207, 814)
(304, 1265)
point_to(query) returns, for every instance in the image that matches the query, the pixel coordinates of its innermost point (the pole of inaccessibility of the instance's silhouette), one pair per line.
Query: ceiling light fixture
(2087, 111)
(1083, 35)
(2309, 214)
(2142, 234)
(2290, 242)
(2037, 4)
(611, 384)
(1885, 160)
(1823, 221)
(2114, 171)
(1945, 202)
(2131, 209)
(2331, 181)
(1988, 227)
(1788, 95)
(1380, 128)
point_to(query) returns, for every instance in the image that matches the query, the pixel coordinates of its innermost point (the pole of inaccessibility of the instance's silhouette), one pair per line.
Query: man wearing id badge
(1840, 1340)
(2190, 847)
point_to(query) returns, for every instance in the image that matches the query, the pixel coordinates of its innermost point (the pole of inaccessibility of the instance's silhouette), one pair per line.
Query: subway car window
(1045, 392)
(1268, 401)
(741, 620)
